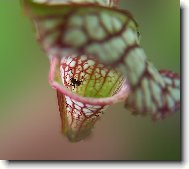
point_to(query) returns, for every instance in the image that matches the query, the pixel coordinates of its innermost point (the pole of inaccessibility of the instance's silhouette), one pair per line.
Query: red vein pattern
(155, 92)
(77, 118)
(109, 3)
(86, 77)
(107, 36)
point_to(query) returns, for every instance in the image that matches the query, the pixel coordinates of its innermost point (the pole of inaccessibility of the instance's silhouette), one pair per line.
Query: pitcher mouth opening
(56, 82)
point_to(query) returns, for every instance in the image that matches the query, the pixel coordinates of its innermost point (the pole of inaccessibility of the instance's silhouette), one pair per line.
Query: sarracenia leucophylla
(101, 43)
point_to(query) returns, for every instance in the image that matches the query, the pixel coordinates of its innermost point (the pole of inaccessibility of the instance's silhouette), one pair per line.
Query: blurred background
(29, 117)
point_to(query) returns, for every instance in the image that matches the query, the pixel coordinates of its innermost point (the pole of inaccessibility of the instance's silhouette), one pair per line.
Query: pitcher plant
(96, 60)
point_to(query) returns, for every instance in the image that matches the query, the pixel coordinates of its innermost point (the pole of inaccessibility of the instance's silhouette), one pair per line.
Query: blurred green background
(29, 117)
